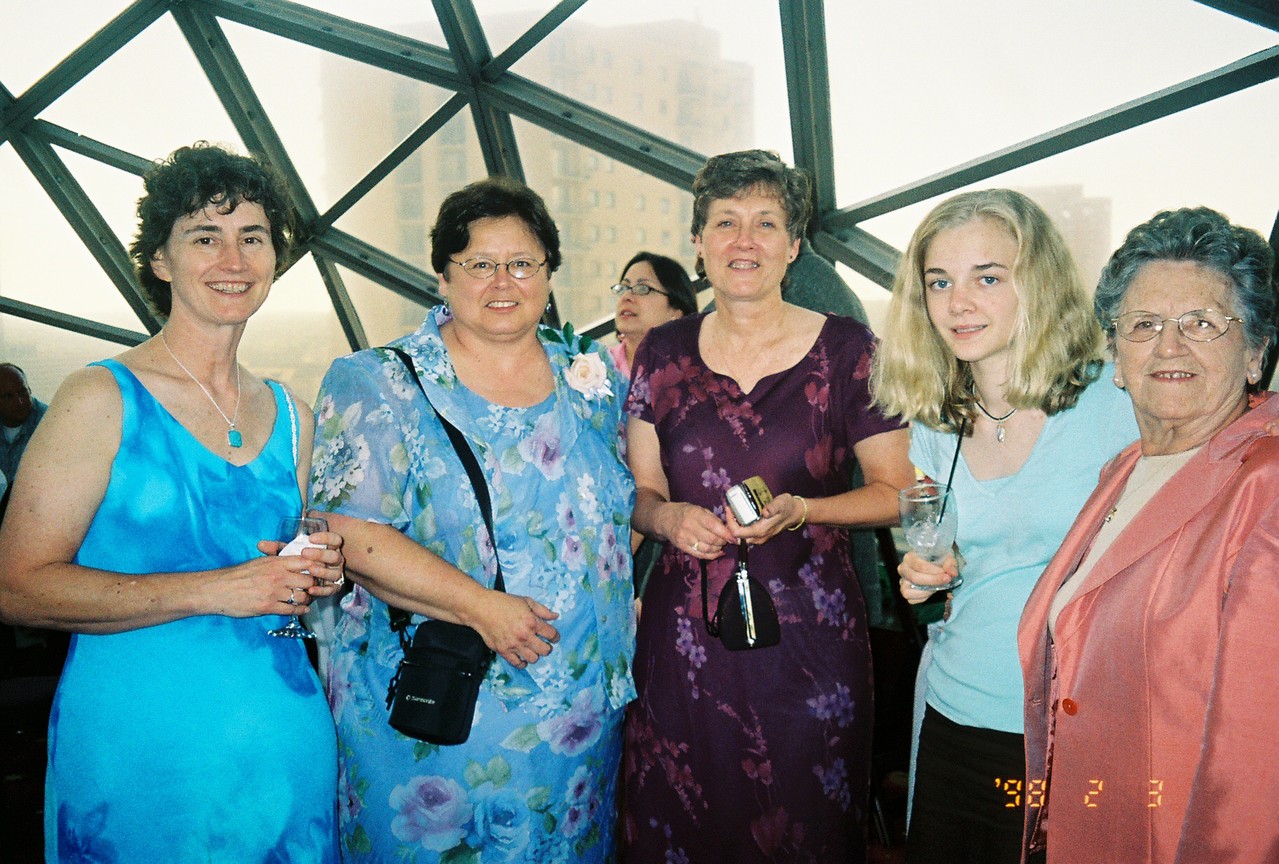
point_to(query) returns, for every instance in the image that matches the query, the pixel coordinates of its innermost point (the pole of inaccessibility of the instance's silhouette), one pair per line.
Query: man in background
(19, 414)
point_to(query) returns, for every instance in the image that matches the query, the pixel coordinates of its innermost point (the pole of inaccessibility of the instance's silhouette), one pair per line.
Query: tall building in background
(669, 73)
(1084, 223)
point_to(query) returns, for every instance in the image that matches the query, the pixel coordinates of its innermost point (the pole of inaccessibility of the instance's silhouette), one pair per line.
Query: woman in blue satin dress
(144, 520)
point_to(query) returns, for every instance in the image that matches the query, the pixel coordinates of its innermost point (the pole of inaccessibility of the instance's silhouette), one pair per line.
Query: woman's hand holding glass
(261, 585)
(921, 579)
(929, 520)
(298, 536)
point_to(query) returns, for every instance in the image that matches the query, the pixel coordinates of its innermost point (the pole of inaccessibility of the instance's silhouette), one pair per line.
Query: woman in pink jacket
(1149, 645)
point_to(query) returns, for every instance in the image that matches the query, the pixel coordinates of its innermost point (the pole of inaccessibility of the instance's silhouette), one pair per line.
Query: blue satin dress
(203, 739)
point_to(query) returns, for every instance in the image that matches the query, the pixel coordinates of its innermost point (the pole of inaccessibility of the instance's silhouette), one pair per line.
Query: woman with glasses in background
(536, 779)
(653, 289)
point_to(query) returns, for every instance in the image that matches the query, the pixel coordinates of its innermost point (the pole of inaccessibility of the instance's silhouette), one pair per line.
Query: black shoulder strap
(399, 617)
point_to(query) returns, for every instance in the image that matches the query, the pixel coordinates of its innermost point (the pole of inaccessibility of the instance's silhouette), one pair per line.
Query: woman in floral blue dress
(761, 755)
(536, 781)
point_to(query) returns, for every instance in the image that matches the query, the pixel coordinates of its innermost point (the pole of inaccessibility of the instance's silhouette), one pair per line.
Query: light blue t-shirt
(1009, 528)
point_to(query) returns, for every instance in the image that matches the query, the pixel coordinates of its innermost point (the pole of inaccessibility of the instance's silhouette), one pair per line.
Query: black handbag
(745, 617)
(433, 693)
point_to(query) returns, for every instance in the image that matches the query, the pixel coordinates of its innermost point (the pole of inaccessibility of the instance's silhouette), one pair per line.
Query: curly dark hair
(491, 198)
(732, 174)
(195, 177)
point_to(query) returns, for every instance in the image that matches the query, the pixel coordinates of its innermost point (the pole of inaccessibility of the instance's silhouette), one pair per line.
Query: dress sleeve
(639, 402)
(360, 464)
(924, 445)
(1230, 814)
(863, 417)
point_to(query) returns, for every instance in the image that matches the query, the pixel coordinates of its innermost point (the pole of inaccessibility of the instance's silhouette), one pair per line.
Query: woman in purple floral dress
(754, 755)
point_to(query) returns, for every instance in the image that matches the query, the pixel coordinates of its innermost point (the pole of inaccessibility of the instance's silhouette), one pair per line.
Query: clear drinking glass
(929, 521)
(294, 533)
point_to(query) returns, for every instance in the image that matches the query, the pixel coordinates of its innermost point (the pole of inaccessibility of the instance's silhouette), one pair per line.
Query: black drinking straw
(963, 422)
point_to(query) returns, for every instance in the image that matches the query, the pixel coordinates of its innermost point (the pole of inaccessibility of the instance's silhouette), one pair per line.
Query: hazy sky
(917, 86)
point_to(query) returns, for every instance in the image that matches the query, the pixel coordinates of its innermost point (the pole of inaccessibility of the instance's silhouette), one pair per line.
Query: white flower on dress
(588, 375)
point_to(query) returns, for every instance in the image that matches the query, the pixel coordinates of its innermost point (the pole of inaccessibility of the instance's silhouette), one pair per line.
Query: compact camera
(748, 499)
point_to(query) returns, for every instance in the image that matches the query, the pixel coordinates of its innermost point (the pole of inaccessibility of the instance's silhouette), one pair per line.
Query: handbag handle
(399, 617)
(712, 625)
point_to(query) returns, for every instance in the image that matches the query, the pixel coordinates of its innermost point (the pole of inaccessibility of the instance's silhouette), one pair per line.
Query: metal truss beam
(493, 70)
(591, 128)
(361, 42)
(378, 265)
(860, 250)
(470, 49)
(74, 323)
(1263, 12)
(1254, 69)
(600, 328)
(808, 90)
(111, 38)
(393, 160)
(93, 149)
(69, 197)
(223, 69)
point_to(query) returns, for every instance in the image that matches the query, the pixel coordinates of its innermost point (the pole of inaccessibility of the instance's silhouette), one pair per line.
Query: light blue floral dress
(536, 781)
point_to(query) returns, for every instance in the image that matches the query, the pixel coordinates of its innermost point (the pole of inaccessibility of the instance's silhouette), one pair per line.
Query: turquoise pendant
(233, 438)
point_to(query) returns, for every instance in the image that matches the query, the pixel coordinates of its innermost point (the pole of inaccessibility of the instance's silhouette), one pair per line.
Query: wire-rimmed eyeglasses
(482, 267)
(639, 289)
(1197, 325)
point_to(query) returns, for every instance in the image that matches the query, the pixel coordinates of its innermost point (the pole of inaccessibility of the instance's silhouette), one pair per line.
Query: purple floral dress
(753, 755)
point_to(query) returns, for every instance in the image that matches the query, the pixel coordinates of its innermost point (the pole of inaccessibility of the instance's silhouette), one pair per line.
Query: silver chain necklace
(999, 421)
(233, 436)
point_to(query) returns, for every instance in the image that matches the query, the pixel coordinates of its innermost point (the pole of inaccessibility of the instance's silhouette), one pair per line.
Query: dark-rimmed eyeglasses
(639, 289)
(1197, 325)
(481, 267)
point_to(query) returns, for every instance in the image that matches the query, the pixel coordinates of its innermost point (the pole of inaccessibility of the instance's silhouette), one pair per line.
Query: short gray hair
(731, 174)
(1205, 237)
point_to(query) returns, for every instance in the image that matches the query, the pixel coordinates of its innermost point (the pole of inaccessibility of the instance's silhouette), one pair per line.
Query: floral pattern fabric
(754, 755)
(536, 780)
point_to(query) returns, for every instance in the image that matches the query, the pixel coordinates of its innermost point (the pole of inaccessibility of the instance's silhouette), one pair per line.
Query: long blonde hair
(1056, 347)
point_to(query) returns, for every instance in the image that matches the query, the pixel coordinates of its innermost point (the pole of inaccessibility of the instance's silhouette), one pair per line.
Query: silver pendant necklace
(233, 436)
(999, 421)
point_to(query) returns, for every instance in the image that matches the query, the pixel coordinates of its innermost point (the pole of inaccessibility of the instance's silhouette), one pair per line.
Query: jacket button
(1069, 706)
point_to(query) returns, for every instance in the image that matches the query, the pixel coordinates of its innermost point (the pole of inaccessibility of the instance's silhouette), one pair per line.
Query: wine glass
(929, 521)
(294, 533)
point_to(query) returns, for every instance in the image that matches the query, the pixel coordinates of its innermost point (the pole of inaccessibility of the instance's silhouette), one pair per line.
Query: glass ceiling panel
(397, 214)
(920, 86)
(295, 335)
(42, 260)
(149, 98)
(386, 315)
(683, 70)
(114, 193)
(504, 21)
(606, 212)
(37, 36)
(48, 354)
(1098, 192)
(384, 107)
